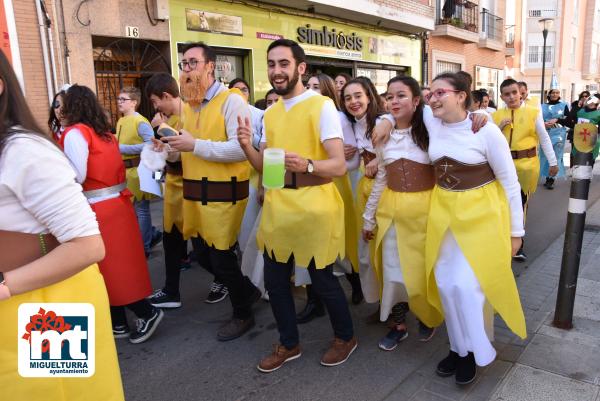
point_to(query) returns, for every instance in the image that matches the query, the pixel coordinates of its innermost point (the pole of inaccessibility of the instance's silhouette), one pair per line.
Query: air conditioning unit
(161, 9)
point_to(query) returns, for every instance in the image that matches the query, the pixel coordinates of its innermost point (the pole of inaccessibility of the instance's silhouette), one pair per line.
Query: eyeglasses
(56, 104)
(439, 93)
(191, 64)
(122, 99)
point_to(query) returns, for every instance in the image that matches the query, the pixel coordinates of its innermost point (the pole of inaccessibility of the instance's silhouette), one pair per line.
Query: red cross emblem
(585, 134)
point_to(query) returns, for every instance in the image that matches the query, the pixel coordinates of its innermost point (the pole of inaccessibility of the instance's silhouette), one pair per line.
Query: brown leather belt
(367, 157)
(523, 154)
(18, 249)
(453, 175)
(215, 191)
(133, 162)
(295, 180)
(405, 175)
(175, 168)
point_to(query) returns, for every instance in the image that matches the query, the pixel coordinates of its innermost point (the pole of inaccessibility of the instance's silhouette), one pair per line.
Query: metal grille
(446, 66)
(126, 62)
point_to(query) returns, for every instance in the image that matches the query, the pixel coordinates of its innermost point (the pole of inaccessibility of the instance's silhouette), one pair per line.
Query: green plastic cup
(273, 168)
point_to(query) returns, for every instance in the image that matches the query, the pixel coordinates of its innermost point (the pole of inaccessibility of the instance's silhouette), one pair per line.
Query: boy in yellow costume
(163, 91)
(133, 131)
(302, 223)
(524, 129)
(215, 179)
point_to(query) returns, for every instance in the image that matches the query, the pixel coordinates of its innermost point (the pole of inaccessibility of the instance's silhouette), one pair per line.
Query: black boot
(549, 184)
(357, 294)
(447, 366)
(466, 369)
(314, 307)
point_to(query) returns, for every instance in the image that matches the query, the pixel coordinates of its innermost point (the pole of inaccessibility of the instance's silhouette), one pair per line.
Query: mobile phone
(166, 130)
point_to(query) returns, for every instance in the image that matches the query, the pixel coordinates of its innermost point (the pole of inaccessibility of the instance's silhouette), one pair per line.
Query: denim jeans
(142, 211)
(325, 285)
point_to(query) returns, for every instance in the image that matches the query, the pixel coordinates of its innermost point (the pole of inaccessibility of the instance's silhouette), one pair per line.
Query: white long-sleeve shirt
(41, 195)
(229, 151)
(349, 139)
(399, 146)
(76, 149)
(545, 142)
(488, 145)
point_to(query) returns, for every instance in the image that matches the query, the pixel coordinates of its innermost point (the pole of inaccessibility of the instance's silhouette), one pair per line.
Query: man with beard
(215, 179)
(303, 223)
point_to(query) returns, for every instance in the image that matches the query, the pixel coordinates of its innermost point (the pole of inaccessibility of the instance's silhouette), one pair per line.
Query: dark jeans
(223, 264)
(524, 203)
(175, 248)
(325, 285)
(142, 309)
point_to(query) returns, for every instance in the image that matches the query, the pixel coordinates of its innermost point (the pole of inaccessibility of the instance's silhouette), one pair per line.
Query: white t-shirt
(330, 125)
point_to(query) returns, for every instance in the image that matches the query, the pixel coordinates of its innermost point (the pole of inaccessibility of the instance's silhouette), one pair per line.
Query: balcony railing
(510, 36)
(462, 14)
(492, 26)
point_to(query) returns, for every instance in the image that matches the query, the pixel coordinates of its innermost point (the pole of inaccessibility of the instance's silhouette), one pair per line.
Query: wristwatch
(310, 167)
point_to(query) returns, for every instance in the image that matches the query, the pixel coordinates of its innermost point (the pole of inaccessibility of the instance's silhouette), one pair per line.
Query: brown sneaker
(280, 356)
(339, 352)
(235, 328)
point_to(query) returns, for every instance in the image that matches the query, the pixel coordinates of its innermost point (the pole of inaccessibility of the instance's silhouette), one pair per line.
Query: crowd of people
(417, 196)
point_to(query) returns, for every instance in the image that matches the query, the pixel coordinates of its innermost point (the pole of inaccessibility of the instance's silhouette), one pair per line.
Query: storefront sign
(331, 52)
(268, 36)
(204, 21)
(329, 38)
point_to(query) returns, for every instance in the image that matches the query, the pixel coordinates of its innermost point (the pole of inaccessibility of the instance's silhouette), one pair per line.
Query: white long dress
(399, 146)
(462, 297)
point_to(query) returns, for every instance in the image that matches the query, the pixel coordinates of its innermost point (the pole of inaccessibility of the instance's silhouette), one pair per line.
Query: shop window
(379, 78)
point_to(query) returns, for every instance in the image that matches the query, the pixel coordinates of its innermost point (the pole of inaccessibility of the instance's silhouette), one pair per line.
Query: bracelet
(4, 291)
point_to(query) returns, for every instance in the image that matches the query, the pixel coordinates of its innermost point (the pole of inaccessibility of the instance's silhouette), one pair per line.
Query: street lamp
(545, 25)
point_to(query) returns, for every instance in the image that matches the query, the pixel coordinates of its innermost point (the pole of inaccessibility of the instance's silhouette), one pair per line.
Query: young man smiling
(303, 223)
(524, 129)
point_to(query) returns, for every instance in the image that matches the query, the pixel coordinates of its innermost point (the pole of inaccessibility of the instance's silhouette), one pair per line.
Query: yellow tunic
(127, 134)
(173, 196)
(352, 230)
(307, 222)
(218, 223)
(522, 135)
(408, 212)
(105, 385)
(482, 232)
(363, 190)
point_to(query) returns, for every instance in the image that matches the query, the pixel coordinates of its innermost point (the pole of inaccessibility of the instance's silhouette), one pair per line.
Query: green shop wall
(378, 46)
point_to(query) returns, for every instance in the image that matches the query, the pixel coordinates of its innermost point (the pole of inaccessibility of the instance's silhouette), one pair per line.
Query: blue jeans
(142, 211)
(324, 284)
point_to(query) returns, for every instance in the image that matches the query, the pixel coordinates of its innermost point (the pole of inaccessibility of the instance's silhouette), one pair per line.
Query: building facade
(469, 36)
(572, 45)
(114, 43)
(379, 39)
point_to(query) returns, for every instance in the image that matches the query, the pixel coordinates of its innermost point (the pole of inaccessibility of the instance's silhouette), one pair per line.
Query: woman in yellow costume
(399, 207)
(48, 238)
(360, 104)
(475, 221)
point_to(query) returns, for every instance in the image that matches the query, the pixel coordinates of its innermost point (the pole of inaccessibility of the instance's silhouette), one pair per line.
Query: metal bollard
(585, 137)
